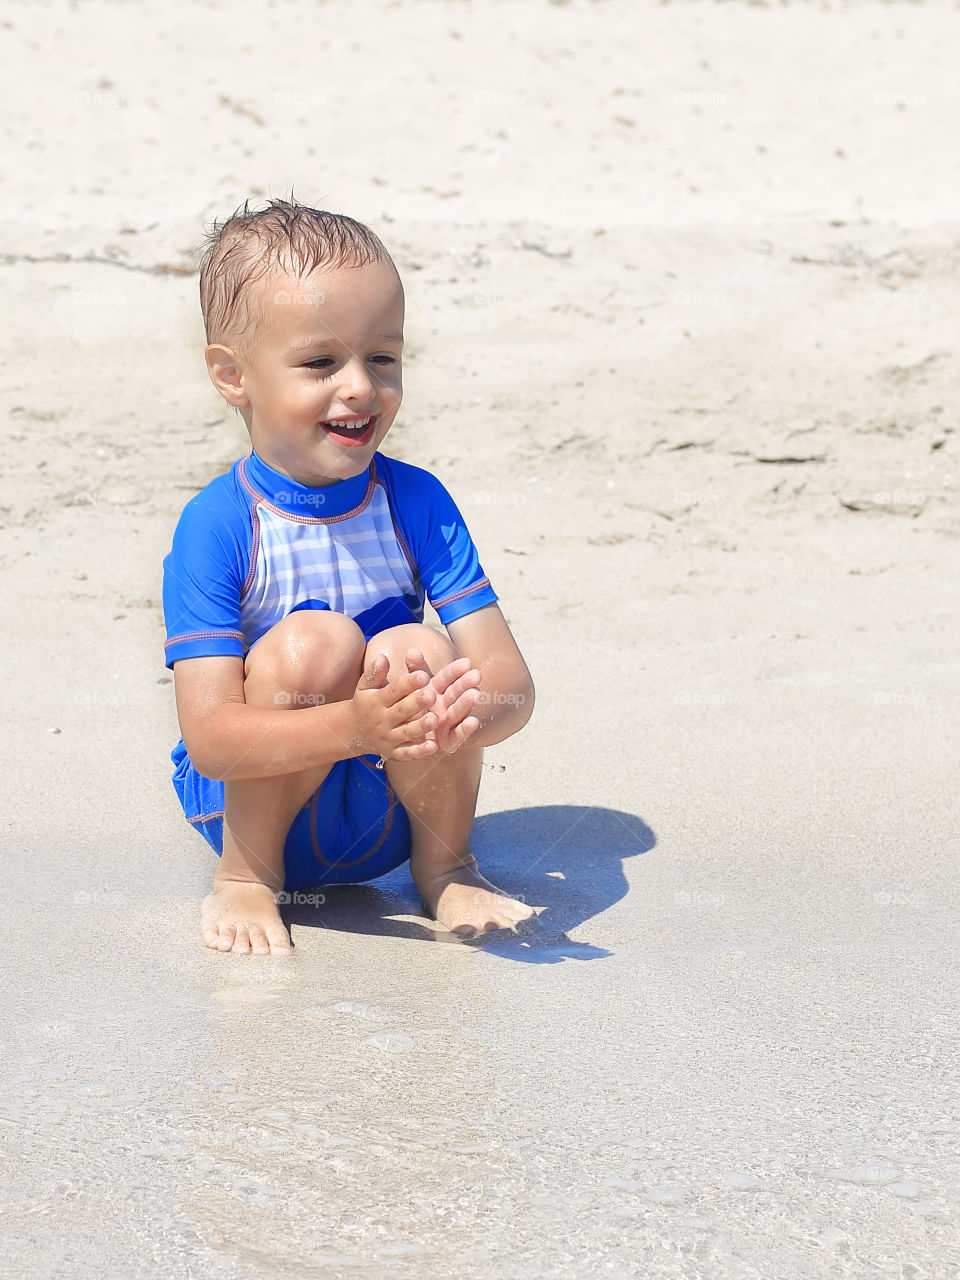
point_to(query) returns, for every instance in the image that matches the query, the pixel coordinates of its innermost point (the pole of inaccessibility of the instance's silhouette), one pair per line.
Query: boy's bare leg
(308, 653)
(439, 793)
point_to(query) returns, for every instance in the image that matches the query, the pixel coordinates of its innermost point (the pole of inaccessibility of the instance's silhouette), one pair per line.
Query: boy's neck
(323, 502)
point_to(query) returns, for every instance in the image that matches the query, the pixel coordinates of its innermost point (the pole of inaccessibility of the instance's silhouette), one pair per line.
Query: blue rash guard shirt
(255, 545)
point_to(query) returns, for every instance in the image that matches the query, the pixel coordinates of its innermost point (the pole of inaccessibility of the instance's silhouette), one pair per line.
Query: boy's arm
(506, 688)
(449, 568)
(228, 740)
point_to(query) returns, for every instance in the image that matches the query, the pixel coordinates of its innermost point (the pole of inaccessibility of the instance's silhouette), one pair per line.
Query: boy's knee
(436, 646)
(313, 646)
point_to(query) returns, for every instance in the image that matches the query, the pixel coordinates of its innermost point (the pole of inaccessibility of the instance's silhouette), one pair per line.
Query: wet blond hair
(287, 237)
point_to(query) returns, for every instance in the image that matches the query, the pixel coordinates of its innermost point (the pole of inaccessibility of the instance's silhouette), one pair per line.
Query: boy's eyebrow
(305, 344)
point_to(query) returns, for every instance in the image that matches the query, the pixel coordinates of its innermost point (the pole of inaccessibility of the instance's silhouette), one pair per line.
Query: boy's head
(303, 312)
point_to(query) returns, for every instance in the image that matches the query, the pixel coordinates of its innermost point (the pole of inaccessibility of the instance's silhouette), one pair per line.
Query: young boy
(328, 734)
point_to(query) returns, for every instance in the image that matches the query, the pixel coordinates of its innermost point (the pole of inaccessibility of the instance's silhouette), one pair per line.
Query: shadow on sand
(567, 859)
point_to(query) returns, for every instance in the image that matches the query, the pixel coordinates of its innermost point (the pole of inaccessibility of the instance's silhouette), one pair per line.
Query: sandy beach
(681, 341)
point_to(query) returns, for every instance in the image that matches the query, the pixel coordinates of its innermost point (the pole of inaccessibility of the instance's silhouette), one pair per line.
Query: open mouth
(351, 431)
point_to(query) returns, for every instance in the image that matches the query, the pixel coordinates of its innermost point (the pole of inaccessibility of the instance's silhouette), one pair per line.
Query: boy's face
(325, 354)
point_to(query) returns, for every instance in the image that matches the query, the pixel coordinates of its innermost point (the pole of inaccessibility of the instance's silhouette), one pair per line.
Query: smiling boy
(328, 735)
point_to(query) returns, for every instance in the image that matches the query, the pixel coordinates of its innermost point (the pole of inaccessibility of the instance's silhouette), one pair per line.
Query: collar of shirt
(323, 502)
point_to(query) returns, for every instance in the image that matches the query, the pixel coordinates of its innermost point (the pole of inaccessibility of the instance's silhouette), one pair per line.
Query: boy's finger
(417, 730)
(452, 671)
(412, 734)
(465, 729)
(414, 707)
(469, 680)
(456, 735)
(462, 706)
(417, 662)
(415, 751)
(404, 686)
(376, 675)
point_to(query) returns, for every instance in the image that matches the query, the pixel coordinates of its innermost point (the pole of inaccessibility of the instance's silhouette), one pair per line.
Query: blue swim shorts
(352, 829)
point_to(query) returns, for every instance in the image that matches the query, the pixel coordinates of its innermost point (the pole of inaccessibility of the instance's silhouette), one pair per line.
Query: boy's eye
(324, 362)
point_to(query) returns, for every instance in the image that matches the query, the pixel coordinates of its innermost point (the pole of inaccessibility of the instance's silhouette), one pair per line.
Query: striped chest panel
(350, 563)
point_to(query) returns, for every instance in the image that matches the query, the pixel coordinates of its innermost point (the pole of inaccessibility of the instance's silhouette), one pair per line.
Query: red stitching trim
(206, 817)
(254, 552)
(459, 595)
(397, 531)
(318, 852)
(204, 635)
(289, 515)
(387, 824)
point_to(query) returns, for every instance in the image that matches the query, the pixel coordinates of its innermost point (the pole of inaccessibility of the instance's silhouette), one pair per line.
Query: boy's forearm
(505, 705)
(242, 741)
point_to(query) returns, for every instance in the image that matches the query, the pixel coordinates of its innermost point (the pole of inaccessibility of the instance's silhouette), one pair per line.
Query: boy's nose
(358, 383)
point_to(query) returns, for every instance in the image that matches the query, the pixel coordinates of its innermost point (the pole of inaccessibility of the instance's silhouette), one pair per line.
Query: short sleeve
(444, 554)
(202, 584)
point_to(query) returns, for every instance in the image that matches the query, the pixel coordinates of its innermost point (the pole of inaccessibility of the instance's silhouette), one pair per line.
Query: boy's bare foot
(243, 917)
(465, 902)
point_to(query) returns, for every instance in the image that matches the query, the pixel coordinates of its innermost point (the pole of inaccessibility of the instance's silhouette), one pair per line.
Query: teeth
(351, 426)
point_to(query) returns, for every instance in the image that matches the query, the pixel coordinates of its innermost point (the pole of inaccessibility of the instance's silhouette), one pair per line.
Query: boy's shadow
(565, 858)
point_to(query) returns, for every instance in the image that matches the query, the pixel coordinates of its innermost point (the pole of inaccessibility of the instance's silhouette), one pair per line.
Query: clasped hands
(418, 714)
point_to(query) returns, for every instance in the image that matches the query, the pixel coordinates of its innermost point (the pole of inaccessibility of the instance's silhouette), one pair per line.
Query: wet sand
(682, 341)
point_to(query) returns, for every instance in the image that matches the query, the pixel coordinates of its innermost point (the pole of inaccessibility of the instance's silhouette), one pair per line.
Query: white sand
(649, 251)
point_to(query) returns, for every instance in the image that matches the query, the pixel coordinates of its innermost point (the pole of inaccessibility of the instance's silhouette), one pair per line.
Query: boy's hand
(394, 721)
(457, 694)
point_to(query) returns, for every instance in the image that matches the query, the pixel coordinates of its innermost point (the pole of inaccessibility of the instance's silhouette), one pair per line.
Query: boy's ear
(226, 373)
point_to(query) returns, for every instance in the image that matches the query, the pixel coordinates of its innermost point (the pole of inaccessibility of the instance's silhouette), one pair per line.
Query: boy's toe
(242, 942)
(259, 943)
(280, 944)
(227, 934)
